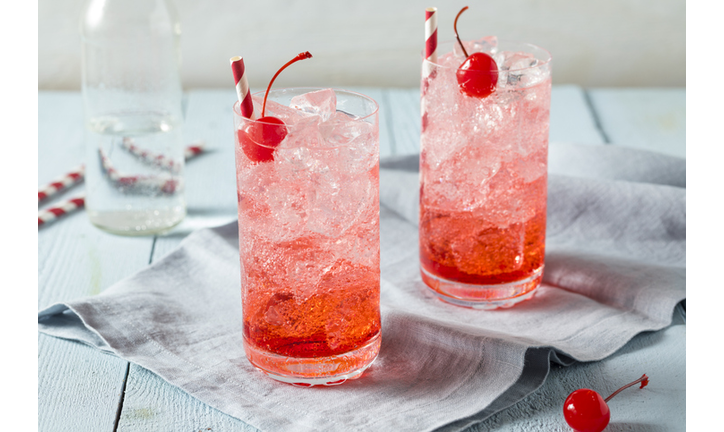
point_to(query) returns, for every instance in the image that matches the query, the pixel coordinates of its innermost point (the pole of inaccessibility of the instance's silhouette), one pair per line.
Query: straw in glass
(242, 87)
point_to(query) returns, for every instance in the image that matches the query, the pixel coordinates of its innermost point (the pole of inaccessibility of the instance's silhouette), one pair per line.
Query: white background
(609, 43)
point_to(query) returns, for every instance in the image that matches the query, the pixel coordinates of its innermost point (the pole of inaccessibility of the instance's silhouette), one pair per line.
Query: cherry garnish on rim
(586, 411)
(478, 75)
(259, 139)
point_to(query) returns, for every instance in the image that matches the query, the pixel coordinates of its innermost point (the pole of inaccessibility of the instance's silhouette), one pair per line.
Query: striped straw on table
(60, 183)
(59, 210)
(246, 106)
(65, 207)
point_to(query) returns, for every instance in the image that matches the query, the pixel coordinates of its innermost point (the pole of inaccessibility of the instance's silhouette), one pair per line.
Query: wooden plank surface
(210, 177)
(152, 405)
(404, 108)
(571, 118)
(649, 119)
(80, 388)
(658, 407)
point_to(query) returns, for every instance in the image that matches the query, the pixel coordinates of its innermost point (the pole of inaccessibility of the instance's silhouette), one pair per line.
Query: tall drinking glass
(309, 236)
(483, 183)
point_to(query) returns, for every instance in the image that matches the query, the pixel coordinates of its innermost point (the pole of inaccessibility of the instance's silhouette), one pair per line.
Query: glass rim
(507, 41)
(237, 112)
(236, 108)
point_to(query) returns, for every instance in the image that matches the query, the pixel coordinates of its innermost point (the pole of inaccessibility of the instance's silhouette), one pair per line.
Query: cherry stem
(643, 380)
(300, 56)
(455, 26)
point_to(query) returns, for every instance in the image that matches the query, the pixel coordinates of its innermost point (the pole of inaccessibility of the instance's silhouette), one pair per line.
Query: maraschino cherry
(478, 75)
(260, 138)
(586, 411)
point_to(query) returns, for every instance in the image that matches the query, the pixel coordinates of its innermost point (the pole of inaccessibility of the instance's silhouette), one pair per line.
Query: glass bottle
(132, 97)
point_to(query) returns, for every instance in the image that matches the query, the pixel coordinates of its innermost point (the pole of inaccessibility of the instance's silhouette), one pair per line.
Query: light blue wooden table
(81, 389)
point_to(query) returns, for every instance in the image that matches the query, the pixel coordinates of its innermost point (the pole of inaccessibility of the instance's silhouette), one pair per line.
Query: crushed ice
(322, 103)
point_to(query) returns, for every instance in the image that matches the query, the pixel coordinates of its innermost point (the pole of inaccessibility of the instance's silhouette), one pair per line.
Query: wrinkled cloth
(615, 267)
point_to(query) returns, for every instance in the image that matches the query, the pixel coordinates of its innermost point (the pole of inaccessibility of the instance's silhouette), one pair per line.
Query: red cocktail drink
(483, 178)
(309, 236)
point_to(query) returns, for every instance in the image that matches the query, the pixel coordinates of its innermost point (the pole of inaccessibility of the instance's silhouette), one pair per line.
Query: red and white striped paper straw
(133, 182)
(430, 40)
(61, 182)
(157, 159)
(68, 206)
(65, 207)
(108, 168)
(242, 87)
(161, 160)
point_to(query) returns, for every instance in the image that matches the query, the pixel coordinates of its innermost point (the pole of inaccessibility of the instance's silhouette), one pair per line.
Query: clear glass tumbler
(132, 98)
(483, 176)
(309, 236)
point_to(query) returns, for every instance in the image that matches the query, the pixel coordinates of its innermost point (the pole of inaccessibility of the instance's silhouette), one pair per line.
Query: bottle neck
(127, 18)
(130, 58)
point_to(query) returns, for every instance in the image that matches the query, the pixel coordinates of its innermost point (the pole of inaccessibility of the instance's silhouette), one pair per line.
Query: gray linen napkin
(615, 266)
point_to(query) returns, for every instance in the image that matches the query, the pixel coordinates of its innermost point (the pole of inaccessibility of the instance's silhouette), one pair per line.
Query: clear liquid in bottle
(134, 194)
(134, 122)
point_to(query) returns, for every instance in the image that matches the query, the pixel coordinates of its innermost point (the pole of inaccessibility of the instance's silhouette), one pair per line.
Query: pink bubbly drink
(309, 236)
(483, 165)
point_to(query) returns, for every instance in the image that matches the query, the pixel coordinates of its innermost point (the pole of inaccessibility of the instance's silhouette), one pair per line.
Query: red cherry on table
(259, 139)
(586, 411)
(478, 75)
